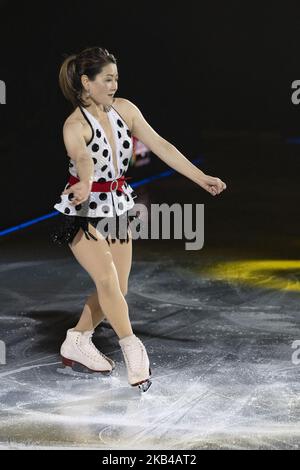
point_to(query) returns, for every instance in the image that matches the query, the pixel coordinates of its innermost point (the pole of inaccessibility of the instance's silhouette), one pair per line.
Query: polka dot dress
(103, 204)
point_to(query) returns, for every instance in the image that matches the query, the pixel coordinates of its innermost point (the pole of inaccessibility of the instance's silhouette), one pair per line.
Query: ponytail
(68, 80)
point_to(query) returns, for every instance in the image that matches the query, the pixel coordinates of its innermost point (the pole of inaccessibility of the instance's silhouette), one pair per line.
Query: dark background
(213, 78)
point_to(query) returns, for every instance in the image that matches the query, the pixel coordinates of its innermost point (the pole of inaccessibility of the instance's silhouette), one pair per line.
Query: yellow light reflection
(262, 273)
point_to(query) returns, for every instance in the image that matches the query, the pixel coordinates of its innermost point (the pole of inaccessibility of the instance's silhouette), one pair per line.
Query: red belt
(104, 187)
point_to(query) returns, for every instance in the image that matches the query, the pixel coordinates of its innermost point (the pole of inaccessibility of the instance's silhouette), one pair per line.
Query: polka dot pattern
(104, 203)
(92, 205)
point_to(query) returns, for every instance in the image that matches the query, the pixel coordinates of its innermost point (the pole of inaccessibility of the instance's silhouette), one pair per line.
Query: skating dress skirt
(111, 203)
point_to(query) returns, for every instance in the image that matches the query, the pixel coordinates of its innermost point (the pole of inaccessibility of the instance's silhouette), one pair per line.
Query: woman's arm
(77, 151)
(168, 153)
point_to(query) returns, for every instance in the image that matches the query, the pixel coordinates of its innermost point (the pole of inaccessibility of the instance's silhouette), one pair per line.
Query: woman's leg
(78, 350)
(92, 314)
(97, 259)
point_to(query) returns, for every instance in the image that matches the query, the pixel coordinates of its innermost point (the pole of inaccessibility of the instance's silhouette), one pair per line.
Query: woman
(97, 136)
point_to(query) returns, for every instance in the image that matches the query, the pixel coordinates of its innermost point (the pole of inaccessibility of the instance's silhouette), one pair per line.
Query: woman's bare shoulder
(124, 108)
(76, 124)
(74, 118)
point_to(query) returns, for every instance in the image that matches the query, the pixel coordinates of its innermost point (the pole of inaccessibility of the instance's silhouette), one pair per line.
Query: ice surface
(220, 357)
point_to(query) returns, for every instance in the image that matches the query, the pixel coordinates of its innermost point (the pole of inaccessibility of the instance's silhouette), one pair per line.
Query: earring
(87, 93)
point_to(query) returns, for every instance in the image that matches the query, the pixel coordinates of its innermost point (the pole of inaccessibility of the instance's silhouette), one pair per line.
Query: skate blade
(81, 368)
(145, 386)
(66, 370)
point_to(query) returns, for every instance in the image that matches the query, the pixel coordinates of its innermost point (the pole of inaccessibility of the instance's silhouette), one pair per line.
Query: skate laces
(134, 360)
(99, 353)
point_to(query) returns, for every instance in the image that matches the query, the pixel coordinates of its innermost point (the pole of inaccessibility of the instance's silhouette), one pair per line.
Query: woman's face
(105, 85)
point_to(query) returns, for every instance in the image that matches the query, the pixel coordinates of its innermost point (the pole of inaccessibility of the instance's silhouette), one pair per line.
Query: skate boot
(137, 362)
(79, 352)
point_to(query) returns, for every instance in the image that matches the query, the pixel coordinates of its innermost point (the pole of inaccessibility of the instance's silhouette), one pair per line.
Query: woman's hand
(80, 191)
(212, 184)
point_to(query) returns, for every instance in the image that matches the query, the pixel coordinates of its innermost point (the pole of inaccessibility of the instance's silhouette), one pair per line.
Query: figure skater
(98, 139)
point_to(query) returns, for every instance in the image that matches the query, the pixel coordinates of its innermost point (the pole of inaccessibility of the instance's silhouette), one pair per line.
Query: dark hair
(88, 62)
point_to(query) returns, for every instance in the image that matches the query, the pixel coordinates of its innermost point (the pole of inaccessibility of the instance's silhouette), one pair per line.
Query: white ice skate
(79, 352)
(137, 362)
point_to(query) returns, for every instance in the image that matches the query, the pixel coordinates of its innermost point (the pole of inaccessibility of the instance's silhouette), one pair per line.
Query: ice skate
(80, 354)
(137, 362)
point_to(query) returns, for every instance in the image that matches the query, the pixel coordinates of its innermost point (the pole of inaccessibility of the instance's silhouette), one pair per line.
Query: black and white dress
(99, 205)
